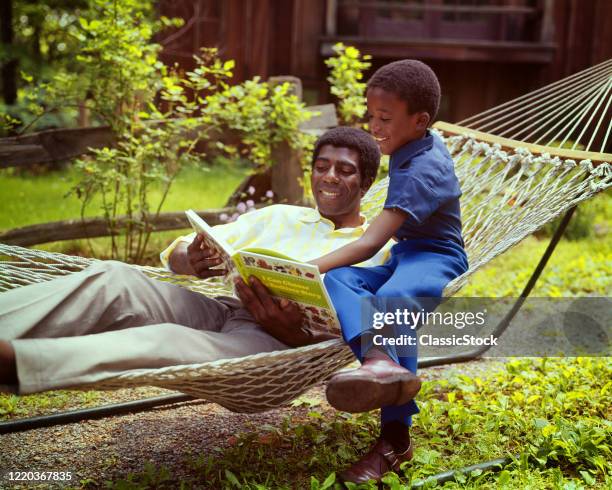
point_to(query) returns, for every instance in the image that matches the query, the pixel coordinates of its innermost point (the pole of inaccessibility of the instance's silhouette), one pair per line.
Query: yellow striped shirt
(295, 231)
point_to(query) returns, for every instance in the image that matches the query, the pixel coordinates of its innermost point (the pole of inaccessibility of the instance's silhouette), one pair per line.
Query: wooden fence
(58, 145)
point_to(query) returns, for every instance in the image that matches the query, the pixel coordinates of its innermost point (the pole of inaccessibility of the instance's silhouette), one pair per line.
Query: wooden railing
(445, 20)
(64, 144)
(438, 30)
(58, 145)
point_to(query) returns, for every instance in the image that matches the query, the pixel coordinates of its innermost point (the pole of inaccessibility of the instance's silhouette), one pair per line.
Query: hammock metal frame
(145, 404)
(507, 196)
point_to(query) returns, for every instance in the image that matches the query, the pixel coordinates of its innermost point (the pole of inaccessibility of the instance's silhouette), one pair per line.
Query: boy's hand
(201, 259)
(283, 319)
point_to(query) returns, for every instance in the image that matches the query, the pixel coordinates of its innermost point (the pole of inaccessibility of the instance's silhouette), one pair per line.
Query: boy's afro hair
(356, 139)
(412, 81)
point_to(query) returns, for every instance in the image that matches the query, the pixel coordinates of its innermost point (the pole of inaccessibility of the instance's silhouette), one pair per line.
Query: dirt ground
(110, 448)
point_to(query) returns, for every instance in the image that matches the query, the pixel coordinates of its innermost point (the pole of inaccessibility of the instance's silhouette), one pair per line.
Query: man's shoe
(377, 383)
(381, 459)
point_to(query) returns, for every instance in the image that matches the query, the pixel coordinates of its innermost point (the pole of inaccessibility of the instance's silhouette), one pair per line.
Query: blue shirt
(423, 184)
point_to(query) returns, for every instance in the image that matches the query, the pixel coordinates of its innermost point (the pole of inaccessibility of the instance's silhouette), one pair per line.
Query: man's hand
(283, 320)
(201, 258)
(195, 259)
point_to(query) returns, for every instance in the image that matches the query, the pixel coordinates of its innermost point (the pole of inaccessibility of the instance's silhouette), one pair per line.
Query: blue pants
(414, 276)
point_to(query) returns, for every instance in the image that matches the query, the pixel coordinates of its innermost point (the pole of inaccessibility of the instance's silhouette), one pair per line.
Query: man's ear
(423, 121)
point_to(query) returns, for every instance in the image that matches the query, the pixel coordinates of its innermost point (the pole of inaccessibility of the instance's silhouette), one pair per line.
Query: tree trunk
(9, 68)
(287, 170)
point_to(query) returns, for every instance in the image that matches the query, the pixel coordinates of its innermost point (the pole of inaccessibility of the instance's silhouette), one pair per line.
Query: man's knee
(112, 270)
(121, 281)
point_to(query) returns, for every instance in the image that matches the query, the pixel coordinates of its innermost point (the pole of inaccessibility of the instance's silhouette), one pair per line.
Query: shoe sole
(361, 394)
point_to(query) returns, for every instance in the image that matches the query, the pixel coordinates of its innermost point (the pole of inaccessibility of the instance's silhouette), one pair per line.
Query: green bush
(162, 120)
(588, 218)
(346, 83)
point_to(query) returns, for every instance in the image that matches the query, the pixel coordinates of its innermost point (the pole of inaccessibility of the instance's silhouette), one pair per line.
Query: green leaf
(232, 479)
(314, 483)
(540, 423)
(504, 477)
(329, 481)
(588, 478)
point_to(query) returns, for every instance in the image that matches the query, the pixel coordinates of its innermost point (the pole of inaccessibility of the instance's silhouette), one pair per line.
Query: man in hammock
(109, 318)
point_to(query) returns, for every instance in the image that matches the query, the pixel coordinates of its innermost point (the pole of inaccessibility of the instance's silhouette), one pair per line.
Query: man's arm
(282, 320)
(378, 233)
(194, 259)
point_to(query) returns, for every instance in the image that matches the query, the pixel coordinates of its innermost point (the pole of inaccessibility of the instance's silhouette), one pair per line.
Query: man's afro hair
(356, 139)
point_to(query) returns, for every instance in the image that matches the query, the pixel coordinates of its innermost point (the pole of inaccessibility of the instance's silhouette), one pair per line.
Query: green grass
(12, 406)
(576, 268)
(34, 199)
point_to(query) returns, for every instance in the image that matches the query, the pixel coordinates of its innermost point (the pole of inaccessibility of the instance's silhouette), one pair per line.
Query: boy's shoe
(381, 459)
(377, 383)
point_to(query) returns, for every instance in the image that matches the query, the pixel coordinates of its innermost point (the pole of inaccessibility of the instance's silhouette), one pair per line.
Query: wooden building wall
(289, 37)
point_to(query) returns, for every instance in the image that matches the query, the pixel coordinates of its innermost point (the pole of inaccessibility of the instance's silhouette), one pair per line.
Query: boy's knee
(345, 275)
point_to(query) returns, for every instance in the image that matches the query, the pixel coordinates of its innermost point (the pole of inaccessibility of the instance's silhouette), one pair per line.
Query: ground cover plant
(552, 414)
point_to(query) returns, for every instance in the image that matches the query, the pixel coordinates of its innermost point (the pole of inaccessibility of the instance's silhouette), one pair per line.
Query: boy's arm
(378, 233)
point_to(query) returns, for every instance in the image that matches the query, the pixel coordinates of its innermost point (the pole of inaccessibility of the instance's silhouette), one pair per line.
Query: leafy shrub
(162, 120)
(587, 219)
(345, 79)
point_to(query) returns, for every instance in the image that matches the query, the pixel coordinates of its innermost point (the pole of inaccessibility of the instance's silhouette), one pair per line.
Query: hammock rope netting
(510, 189)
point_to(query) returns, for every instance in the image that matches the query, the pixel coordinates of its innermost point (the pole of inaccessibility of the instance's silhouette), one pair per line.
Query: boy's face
(389, 120)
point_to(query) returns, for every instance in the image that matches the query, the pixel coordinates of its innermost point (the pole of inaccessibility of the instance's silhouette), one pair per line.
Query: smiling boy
(422, 213)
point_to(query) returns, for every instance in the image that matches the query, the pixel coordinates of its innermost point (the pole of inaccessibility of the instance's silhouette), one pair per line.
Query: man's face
(389, 121)
(337, 185)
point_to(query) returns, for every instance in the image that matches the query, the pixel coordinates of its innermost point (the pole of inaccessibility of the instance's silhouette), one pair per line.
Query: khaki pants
(111, 318)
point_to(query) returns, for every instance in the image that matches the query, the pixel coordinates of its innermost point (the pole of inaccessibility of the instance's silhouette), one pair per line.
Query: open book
(284, 277)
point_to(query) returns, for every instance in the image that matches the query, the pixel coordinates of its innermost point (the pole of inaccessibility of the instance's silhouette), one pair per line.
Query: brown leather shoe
(378, 461)
(377, 383)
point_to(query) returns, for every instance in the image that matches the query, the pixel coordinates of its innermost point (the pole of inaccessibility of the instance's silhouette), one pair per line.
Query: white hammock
(510, 189)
